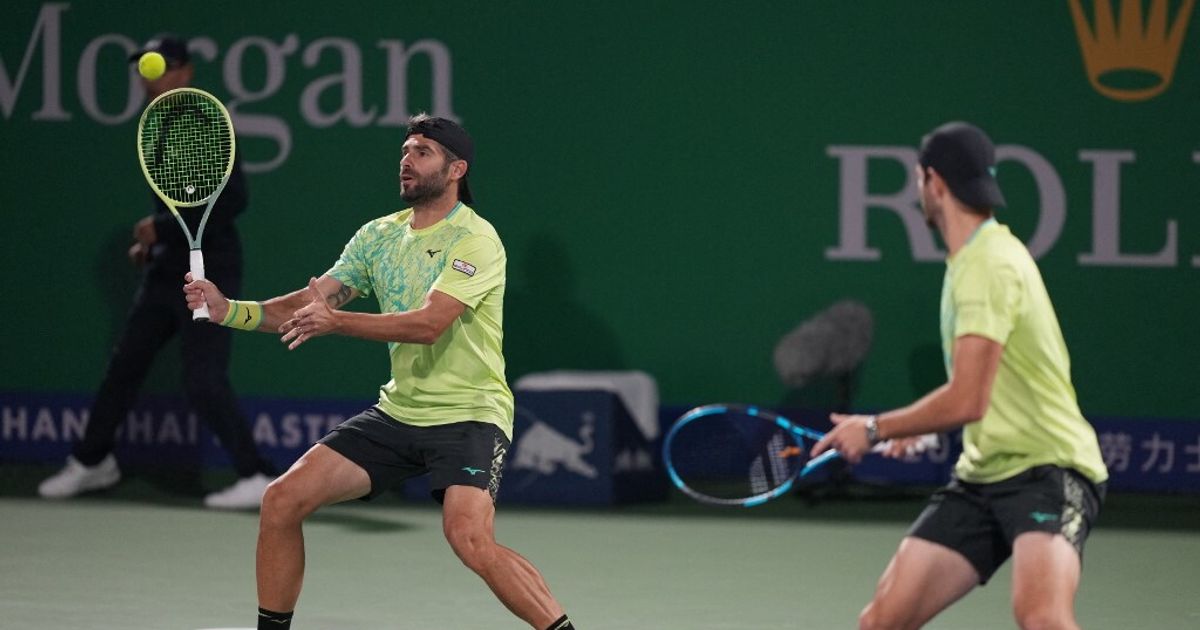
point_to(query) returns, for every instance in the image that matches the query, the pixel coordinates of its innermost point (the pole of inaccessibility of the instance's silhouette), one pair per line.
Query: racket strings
(780, 464)
(187, 146)
(770, 468)
(733, 456)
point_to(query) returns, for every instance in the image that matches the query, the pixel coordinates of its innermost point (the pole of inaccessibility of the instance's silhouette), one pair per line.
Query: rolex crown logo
(1131, 58)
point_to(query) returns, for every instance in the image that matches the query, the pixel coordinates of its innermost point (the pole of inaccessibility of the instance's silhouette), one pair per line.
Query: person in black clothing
(158, 313)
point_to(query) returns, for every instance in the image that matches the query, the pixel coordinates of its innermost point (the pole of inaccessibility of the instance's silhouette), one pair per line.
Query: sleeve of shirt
(352, 268)
(987, 301)
(475, 266)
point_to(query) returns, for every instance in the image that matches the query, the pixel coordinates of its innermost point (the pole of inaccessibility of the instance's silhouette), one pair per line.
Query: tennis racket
(185, 145)
(742, 455)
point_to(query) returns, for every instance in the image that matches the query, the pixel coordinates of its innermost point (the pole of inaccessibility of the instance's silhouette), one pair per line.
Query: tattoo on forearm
(341, 297)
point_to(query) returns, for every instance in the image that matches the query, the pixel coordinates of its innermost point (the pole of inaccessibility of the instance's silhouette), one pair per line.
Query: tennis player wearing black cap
(1030, 480)
(437, 269)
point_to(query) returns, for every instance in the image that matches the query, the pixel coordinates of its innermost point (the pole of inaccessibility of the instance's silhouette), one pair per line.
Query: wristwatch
(873, 430)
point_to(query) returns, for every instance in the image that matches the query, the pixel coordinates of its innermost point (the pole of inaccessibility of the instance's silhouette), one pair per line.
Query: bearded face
(416, 188)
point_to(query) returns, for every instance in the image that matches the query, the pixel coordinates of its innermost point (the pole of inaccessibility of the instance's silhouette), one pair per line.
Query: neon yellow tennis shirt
(993, 289)
(459, 377)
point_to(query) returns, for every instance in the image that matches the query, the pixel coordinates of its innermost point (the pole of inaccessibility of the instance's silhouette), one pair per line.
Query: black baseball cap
(965, 158)
(451, 135)
(172, 47)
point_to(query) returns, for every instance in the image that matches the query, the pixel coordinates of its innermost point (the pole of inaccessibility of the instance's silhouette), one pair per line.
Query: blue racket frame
(799, 431)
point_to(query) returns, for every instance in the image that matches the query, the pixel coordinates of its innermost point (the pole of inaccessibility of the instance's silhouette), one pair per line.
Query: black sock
(562, 623)
(271, 620)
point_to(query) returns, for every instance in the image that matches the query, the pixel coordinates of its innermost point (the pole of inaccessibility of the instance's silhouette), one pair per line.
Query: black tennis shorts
(981, 521)
(466, 453)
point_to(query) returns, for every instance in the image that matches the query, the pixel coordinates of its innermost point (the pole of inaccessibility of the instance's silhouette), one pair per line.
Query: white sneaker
(246, 494)
(75, 478)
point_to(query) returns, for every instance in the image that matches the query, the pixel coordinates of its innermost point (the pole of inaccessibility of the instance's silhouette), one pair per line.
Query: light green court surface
(116, 562)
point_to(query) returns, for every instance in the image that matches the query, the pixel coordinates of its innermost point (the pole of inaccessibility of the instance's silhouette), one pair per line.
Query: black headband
(446, 133)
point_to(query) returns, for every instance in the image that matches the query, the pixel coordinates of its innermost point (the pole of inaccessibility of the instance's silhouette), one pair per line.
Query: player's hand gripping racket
(185, 146)
(742, 455)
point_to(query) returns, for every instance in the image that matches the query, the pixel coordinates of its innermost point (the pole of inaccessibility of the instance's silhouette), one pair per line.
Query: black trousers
(159, 312)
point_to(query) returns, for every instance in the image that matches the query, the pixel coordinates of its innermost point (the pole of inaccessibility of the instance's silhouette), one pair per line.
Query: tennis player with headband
(437, 269)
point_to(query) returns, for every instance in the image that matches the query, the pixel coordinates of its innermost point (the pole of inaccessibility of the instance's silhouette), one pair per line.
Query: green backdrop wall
(678, 183)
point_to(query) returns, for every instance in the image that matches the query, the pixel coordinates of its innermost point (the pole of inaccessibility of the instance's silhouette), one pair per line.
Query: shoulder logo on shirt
(464, 266)
(431, 252)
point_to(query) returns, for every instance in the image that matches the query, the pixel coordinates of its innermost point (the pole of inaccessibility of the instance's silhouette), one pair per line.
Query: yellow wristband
(243, 315)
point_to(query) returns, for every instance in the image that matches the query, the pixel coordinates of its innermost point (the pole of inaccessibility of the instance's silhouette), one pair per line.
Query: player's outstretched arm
(423, 325)
(329, 291)
(961, 401)
(265, 316)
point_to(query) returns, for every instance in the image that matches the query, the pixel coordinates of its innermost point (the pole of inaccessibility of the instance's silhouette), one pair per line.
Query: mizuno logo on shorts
(1043, 517)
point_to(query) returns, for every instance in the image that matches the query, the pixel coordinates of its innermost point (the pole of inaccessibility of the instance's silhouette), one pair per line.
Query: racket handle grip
(196, 261)
(818, 461)
(924, 443)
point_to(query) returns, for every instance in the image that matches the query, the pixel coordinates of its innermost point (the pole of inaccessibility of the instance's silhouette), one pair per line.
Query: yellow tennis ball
(152, 65)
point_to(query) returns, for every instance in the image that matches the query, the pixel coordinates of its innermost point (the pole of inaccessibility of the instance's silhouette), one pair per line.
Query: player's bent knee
(472, 546)
(1035, 610)
(282, 505)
